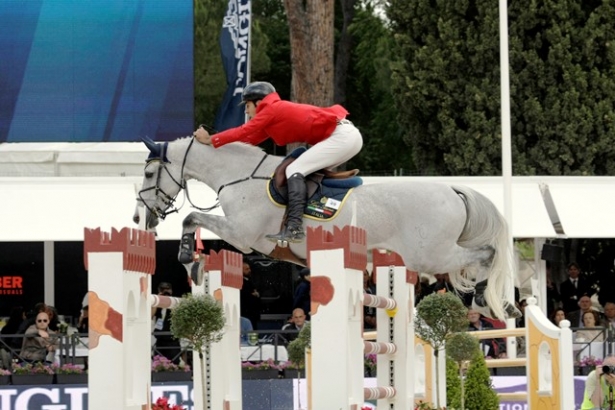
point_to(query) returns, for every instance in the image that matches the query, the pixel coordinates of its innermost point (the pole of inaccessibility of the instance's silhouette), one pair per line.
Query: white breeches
(344, 143)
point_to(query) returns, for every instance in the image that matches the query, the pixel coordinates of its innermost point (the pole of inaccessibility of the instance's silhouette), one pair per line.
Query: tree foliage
(479, 393)
(296, 348)
(198, 319)
(438, 316)
(447, 85)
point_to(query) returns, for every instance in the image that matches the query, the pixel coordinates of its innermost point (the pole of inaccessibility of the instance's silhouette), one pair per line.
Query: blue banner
(96, 70)
(234, 44)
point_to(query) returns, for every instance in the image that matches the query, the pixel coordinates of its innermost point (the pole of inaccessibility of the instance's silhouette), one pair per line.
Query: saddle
(313, 181)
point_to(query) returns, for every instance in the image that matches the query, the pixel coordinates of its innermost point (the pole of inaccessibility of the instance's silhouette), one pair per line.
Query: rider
(334, 141)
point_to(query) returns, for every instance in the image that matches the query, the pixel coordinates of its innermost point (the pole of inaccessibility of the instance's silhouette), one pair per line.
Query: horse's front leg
(225, 228)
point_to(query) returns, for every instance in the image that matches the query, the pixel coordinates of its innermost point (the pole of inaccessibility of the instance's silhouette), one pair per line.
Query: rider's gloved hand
(202, 136)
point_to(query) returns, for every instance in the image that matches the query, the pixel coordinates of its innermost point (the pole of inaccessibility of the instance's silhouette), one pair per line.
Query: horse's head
(162, 181)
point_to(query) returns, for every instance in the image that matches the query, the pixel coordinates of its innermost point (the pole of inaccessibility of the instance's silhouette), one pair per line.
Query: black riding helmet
(256, 91)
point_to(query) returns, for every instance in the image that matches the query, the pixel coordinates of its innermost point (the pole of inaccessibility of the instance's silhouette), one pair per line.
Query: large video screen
(95, 70)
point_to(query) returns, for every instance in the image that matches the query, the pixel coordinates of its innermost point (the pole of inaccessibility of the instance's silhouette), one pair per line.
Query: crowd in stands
(30, 336)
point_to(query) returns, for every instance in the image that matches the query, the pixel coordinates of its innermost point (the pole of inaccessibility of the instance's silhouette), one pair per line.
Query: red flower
(163, 404)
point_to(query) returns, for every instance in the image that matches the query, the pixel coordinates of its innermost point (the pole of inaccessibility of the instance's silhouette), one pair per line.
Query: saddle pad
(324, 203)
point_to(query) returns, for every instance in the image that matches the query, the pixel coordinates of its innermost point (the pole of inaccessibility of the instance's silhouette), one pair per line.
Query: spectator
(576, 317)
(250, 299)
(83, 324)
(609, 314)
(557, 316)
(7, 344)
(297, 322)
(54, 320)
(246, 327)
(598, 384)
(40, 343)
(492, 348)
(590, 334)
(301, 298)
(166, 344)
(554, 300)
(369, 313)
(31, 317)
(572, 289)
(16, 318)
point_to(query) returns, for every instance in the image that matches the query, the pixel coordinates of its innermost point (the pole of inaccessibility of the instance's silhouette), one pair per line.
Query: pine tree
(453, 385)
(479, 393)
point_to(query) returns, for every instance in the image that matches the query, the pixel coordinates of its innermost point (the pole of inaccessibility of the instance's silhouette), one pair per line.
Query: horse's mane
(234, 147)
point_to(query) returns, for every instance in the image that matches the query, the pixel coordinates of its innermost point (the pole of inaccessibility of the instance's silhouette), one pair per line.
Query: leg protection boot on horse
(479, 301)
(186, 249)
(297, 197)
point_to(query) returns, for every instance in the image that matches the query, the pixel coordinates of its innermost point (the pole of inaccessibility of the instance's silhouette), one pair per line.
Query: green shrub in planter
(200, 320)
(480, 394)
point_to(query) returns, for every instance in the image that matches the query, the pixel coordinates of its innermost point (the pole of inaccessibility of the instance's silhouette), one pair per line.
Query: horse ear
(153, 147)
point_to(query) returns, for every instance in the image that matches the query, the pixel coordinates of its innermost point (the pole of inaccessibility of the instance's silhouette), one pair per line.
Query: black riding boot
(297, 197)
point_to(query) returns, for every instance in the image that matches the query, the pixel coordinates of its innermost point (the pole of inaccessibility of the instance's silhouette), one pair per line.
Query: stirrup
(287, 235)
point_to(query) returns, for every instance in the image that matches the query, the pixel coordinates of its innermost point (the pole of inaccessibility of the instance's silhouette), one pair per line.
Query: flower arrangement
(68, 368)
(264, 365)
(163, 364)
(29, 368)
(291, 365)
(370, 363)
(588, 361)
(163, 404)
(4, 372)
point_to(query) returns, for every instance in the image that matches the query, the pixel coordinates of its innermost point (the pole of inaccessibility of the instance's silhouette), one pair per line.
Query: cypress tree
(479, 393)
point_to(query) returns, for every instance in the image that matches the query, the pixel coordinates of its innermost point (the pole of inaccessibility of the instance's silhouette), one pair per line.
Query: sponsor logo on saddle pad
(324, 203)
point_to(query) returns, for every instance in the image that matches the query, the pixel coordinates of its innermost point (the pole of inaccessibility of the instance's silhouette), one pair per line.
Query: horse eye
(149, 174)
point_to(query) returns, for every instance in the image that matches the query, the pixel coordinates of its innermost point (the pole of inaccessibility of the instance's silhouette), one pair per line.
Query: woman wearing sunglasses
(40, 343)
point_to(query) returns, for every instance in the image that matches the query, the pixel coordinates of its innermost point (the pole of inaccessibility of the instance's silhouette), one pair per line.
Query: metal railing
(73, 348)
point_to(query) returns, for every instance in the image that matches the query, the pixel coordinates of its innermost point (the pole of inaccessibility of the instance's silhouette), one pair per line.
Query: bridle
(168, 200)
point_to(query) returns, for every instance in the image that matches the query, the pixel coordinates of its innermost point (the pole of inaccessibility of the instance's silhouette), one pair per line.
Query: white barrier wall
(222, 280)
(335, 374)
(120, 265)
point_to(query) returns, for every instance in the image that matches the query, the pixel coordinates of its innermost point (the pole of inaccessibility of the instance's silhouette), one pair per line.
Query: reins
(182, 184)
(252, 176)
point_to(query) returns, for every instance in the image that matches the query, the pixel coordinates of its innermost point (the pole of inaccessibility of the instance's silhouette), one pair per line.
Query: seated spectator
(301, 299)
(590, 334)
(609, 314)
(7, 344)
(83, 324)
(492, 348)
(557, 316)
(297, 322)
(246, 327)
(369, 313)
(576, 317)
(40, 343)
(17, 317)
(54, 320)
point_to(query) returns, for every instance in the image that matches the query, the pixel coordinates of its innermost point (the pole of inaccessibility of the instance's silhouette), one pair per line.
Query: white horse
(436, 228)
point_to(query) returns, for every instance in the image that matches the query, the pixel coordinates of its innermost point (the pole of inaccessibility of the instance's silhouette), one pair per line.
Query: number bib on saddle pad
(325, 196)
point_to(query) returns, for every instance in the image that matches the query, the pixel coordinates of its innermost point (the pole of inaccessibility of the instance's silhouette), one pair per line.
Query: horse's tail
(486, 227)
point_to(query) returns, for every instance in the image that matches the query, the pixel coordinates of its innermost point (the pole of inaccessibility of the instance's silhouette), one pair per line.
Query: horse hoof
(512, 312)
(196, 274)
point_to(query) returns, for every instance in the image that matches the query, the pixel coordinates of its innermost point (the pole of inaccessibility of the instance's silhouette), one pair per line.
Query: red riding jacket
(284, 122)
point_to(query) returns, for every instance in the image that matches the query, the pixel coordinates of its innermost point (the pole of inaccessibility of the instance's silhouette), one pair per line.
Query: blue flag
(234, 43)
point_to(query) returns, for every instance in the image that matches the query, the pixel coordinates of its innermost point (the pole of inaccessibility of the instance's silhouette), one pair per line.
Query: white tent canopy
(58, 208)
(52, 191)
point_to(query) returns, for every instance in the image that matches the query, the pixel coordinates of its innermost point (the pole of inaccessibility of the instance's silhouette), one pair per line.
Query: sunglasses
(42, 321)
